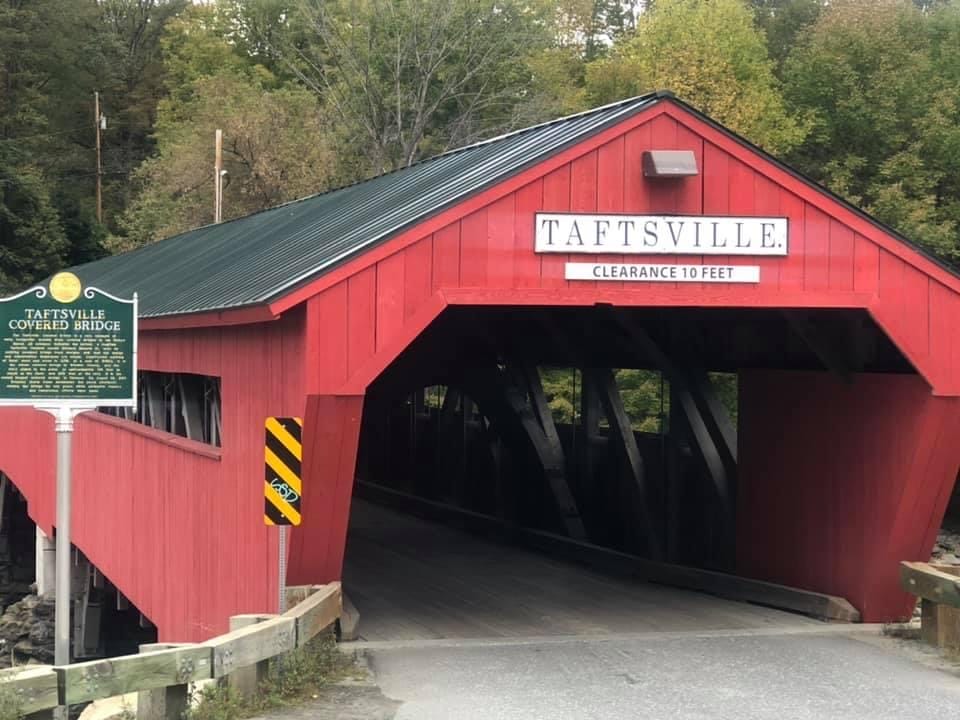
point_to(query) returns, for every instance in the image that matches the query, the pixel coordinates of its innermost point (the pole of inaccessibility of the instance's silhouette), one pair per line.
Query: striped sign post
(282, 483)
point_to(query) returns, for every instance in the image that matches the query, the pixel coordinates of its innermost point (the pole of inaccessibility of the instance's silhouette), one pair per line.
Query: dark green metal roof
(257, 258)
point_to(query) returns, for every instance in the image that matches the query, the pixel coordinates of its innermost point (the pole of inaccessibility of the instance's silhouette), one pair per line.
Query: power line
(47, 134)
(113, 126)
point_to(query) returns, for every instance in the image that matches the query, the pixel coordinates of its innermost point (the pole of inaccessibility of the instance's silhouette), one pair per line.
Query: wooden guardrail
(162, 673)
(938, 587)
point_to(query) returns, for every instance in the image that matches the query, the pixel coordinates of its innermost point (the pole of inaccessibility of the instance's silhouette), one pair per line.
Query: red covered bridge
(342, 307)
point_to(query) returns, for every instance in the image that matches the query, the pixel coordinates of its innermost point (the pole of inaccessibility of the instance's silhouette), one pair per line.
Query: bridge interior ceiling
(719, 340)
(483, 448)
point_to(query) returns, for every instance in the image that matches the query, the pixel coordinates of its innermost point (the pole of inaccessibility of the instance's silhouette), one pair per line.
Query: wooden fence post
(246, 680)
(165, 703)
(940, 623)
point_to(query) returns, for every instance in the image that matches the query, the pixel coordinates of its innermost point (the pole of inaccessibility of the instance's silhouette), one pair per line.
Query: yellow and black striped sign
(283, 456)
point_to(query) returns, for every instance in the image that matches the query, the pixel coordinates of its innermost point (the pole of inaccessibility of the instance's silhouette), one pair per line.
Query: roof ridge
(546, 123)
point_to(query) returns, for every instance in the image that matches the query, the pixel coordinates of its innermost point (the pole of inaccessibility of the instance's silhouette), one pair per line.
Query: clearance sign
(568, 234)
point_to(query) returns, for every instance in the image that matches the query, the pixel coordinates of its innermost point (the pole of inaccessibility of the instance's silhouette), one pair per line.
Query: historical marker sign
(65, 345)
(66, 349)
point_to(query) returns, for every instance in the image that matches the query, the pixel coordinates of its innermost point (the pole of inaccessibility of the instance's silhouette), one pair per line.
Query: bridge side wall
(176, 525)
(839, 483)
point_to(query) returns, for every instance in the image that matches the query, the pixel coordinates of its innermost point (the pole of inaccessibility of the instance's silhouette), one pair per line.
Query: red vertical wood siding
(176, 525)
(839, 483)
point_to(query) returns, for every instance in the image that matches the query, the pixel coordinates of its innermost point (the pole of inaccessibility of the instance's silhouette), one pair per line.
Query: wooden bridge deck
(413, 580)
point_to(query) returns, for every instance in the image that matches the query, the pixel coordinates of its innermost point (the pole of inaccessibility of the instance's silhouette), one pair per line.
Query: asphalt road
(742, 676)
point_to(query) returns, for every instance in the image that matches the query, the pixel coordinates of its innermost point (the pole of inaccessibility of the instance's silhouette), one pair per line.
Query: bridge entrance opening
(624, 440)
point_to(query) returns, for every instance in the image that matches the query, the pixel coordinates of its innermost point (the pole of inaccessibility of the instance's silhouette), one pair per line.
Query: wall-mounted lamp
(669, 163)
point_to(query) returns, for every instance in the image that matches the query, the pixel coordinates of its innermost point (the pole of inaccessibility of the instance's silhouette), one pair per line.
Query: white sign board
(635, 272)
(660, 235)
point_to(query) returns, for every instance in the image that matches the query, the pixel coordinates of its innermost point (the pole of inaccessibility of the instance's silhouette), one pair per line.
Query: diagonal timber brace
(830, 356)
(722, 429)
(604, 384)
(708, 443)
(515, 397)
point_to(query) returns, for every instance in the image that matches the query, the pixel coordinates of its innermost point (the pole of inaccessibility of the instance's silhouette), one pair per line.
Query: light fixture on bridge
(669, 163)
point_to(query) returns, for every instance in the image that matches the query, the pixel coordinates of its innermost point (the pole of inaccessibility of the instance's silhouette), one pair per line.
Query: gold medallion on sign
(65, 287)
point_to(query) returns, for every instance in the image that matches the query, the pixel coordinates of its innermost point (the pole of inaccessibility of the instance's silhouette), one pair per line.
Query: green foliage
(406, 79)
(301, 674)
(53, 55)
(31, 236)
(562, 386)
(219, 702)
(276, 140)
(273, 151)
(123, 55)
(782, 20)
(645, 397)
(711, 54)
(727, 386)
(881, 81)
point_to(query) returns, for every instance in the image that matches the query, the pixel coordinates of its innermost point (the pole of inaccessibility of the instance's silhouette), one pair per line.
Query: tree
(128, 69)
(408, 78)
(32, 239)
(711, 55)
(580, 31)
(783, 20)
(644, 393)
(55, 53)
(589, 25)
(881, 81)
(275, 139)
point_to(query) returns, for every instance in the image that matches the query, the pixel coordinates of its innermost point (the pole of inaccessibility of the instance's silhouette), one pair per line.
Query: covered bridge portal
(463, 274)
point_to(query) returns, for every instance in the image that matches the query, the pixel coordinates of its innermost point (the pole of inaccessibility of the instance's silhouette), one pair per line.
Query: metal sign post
(66, 349)
(282, 485)
(63, 419)
(282, 564)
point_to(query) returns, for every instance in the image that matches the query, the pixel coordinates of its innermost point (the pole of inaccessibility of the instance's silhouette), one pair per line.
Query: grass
(302, 676)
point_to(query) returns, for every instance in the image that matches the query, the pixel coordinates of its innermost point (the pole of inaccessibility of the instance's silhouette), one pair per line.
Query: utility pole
(97, 125)
(218, 177)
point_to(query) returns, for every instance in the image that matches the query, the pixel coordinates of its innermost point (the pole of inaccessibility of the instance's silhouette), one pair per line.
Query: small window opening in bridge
(179, 403)
(645, 395)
